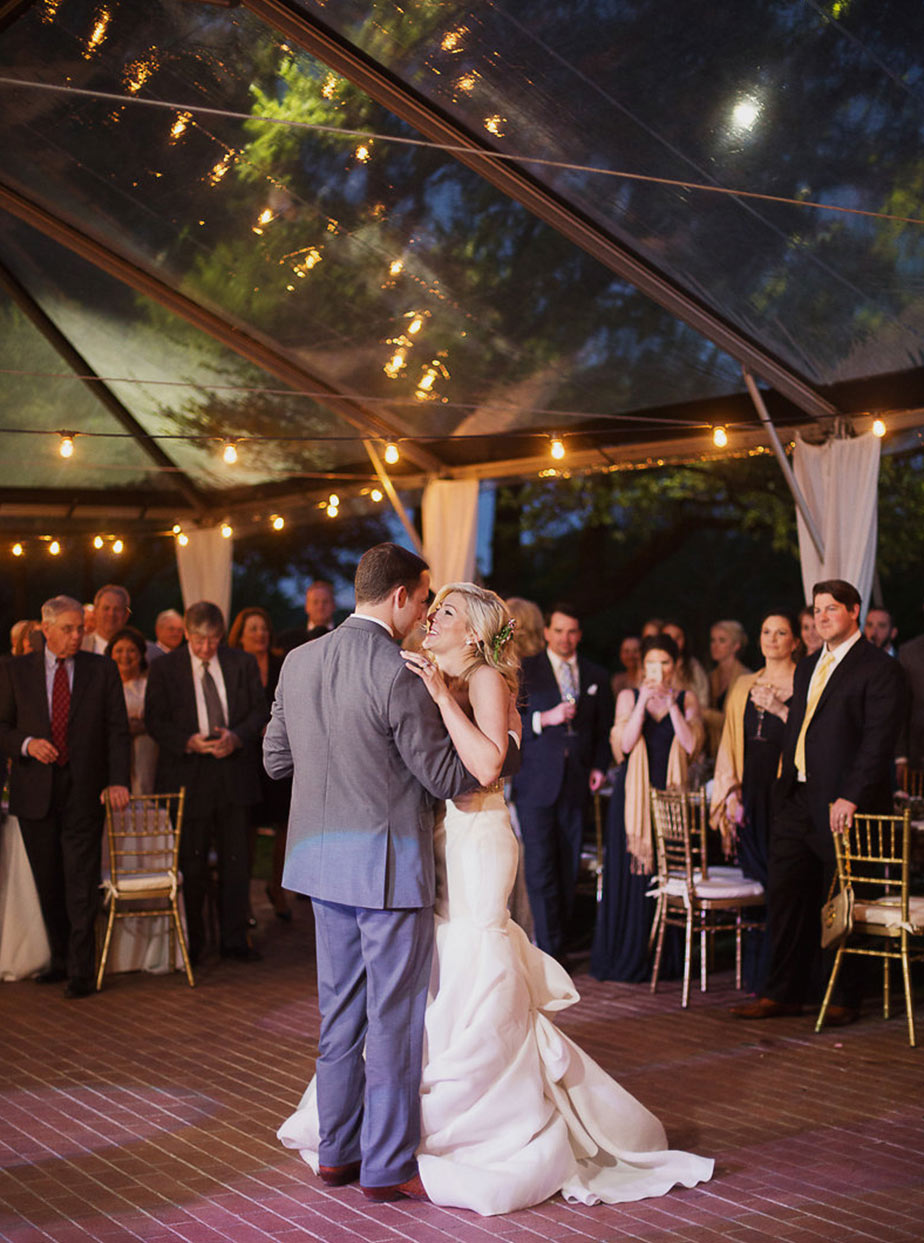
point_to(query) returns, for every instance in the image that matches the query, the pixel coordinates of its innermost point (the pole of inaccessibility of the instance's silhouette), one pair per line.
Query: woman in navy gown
(746, 768)
(657, 730)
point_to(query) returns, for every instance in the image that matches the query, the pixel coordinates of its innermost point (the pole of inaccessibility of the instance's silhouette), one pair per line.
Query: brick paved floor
(149, 1111)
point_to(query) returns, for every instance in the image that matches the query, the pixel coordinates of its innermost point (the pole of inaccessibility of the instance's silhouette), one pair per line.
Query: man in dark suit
(63, 725)
(847, 705)
(206, 709)
(319, 616)
(567, 711)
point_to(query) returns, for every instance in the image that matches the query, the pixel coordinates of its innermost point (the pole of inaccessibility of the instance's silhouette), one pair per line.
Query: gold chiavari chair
(874, 860)
(690, 894)
(145, 881)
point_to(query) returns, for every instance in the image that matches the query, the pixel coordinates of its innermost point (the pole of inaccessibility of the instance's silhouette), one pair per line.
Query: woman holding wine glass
(747, 762)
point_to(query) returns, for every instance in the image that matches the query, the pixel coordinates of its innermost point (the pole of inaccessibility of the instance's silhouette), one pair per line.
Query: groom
(370, 758)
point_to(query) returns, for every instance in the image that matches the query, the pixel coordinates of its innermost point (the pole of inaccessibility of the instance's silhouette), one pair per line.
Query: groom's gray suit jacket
(370, 758)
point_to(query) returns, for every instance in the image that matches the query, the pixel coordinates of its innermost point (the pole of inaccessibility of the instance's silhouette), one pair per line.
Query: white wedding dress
(512, 1111)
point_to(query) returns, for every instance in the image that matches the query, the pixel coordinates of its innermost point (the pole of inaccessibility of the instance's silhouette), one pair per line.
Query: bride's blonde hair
(492, 626)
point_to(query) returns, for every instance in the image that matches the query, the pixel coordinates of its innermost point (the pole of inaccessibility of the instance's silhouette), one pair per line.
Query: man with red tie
(63, 725)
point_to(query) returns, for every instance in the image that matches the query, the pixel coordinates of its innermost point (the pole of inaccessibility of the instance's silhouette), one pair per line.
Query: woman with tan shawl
(656, 732)
(747, 763)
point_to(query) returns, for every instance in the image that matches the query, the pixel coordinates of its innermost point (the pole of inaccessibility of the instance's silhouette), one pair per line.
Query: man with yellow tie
(847, 705)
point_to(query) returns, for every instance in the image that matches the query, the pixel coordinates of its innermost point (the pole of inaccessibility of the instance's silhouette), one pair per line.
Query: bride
(512, 1111)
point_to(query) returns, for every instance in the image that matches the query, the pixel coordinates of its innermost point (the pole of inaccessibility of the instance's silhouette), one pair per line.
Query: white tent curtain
(450, 529)
(840, 481)
(205, 569)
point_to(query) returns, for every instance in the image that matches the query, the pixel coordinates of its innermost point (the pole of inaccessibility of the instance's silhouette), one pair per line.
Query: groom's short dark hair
(383, 568)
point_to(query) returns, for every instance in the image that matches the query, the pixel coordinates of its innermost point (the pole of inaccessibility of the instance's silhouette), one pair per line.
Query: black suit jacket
(171, 719)
(543, 768)
(850, 740)
(98, 736)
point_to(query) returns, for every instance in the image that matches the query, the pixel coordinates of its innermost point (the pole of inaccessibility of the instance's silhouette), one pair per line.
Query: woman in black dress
(657, 730)
(746, 767)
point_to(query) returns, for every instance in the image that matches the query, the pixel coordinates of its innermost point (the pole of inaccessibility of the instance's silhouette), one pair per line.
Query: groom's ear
(400, 596)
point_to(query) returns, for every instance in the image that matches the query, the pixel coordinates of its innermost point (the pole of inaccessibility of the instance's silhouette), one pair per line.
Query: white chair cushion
(723, 882)
(147, 880)
(886, 912)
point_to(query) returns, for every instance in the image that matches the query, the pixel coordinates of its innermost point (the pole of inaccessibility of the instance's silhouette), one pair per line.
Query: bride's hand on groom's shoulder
(428, 672)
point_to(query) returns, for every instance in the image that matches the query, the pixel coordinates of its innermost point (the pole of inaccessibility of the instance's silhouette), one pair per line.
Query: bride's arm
(482, 742)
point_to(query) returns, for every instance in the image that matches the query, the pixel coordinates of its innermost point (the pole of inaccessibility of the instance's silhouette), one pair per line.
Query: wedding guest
(205, 707)
(528, 626)
(808, 635)
(26, 636)
(880, 630)
(127, 648)
(252, 630)
(112, 607)
(689, 675)
(319, 616)
(654, 625)
(726, 640)
(630, 657)
(911, 740)
(656, 732)
(746, 768)
(89, 618)
(63, 725)
(168, 631)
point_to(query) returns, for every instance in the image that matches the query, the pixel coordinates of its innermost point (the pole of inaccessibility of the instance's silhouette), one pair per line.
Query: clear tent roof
(285, 223)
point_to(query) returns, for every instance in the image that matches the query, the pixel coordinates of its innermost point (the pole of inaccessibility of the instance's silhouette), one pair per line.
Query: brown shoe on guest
(765, 1008)
(841, 1016)
(413, 1189)
(339, 1175)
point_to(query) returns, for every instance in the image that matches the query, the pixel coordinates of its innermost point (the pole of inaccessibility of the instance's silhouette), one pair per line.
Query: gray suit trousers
(373, 975)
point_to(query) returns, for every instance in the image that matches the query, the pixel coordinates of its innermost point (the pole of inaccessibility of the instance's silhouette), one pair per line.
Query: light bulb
(18, 550)
(182, 539)
(375, 495)
(278, 522)
(334, 500)
(229, 453)
(391, 454)
(227, 530)
(118, 547)
(879, 428)
(332, 511)
(54, 547)
(557, 448)
(176, 528)
(66, 447)
(719, 437)
(97, 541)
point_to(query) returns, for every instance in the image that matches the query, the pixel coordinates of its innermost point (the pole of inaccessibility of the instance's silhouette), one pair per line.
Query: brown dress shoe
(413, 1189)
(841, 1016)
(765, 1008)
(339, 1175)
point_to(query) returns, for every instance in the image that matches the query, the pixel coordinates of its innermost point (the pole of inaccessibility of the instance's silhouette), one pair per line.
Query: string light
(177, 528)
(557, 448)
(719, 437)
(879, 428)
(229, 453)
(395, 267)
(17, 550)
(118, 547)
(332, 511)
(227, 530)
(66, 444)
(54, 547)
(278, 522)
(182, 539)
(334, 500)
(375, 495)
(391, 453)
(97, 541)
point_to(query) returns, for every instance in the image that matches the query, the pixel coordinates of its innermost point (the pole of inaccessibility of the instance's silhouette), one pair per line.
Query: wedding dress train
(512, 1111)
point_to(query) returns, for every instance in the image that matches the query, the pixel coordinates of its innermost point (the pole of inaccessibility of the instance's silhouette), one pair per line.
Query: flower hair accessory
(503, 637)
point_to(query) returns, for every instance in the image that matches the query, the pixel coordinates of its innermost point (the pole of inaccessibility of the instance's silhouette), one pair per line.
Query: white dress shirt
(215, 671)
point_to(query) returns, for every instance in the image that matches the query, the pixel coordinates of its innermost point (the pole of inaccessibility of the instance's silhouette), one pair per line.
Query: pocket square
(592, 690)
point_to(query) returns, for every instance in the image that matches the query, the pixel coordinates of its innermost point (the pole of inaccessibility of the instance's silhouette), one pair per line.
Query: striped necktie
(819, 682)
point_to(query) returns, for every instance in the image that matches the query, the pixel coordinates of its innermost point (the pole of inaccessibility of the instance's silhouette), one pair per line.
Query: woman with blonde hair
(528, 636)
(507, 1101)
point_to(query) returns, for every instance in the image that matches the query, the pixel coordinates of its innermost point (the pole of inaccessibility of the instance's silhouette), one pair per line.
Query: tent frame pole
(797, 493)
(393, 496)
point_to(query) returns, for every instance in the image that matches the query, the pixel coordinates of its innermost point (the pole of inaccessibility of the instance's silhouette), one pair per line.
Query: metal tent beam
(79, 365)
(554, 211)
(275, 361)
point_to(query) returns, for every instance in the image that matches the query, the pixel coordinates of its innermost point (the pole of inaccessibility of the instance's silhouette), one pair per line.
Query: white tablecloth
(24, 947)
